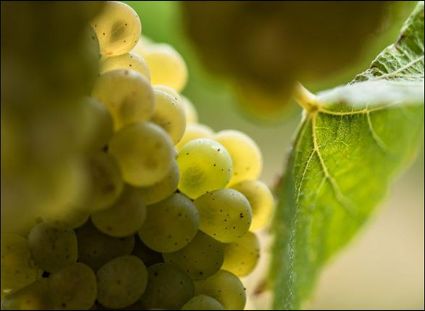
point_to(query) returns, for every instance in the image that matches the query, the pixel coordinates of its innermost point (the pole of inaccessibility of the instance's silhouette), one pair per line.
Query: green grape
(73, 288)
(124, 218)
(170, 224)
(194, 131)
(166, 65)
(168, 288)
(101, 123)
(201, 258)
(106, 181)
(130, 61)
(147, 255)
(246, 156)
(241, 256)
(67, 218)
(117, 27)
(169, 113)
(225, 214)
(260, 199)
(226, 288)
(202, 302)
(95, 248)
(127, 94)
(36, 296)
(52, 248)
(190, 110)
(121, 282)
(204, 165)
(17, 267)
(162, 189)
(144, 152)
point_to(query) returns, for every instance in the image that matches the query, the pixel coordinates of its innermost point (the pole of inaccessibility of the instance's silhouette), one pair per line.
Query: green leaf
(347, 151)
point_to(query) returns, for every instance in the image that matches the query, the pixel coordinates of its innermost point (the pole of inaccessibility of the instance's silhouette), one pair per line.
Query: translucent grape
(36, 296)
(73, 288)
(144, 152)
(95, 248)
(162, 189)
(226, 288)
(17, 267)
(100, 122)
(147, 255)
(261, 200)
(121, 282)
(202, 302)
(194, 131)
(169, 113)
(201, 258)
(242, 255)
(124, 218)
(246, 156)
(204, 165)
(117, 27)
(189, 108)
(141, 45)
(168, 288)
(52, 248)
(70, 217)
(170, 224)
(225, 214)
(127, 94)
(130, 61)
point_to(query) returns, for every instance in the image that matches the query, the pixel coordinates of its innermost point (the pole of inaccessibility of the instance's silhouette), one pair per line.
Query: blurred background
(383, 268)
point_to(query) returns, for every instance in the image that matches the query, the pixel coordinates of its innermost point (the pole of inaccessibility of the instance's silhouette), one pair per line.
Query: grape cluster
(169, 210)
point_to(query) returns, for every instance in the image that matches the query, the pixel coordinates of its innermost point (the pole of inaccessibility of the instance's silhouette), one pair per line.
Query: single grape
(147, 255)
(260, 199)
(194, 131)
(36, 296)
(246, 156)
(129, 61)
(169, 113)
(124, 218)
(127, 94)
(204, 165)
(170, 224)
(242, 255)
(201, 258)
(117, 27)
(52, 248)
(202, 302)
(17, 267)
(225, 287)
(168, 288)
(73, 288)
(144, 152)
(225, 214)
(121, 282)
(95, 248)
(162, 189)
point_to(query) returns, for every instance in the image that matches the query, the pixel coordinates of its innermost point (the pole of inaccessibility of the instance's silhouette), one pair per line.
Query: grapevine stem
(305, 98)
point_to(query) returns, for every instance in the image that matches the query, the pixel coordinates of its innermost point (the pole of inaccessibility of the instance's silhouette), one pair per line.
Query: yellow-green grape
(36, 296)
(225, 287)
(147, 255)
(225, 214)
(144, 152)
(73, 288)
(202, 302)
(166, 65)
(95, 248)
(130, 61)
(106, 181)
(121, 282)
(201, 258)
(189, 108)
(162, 189)
(117, 27)
(70, 217)
(100, 122)
(169, 114)
(204, 165)
(124, 218)
(170, 224)
(127, 94)
(17, 267)
(246, 156)
(261, 200)
(141, 45)
(168, 288)
(52, 249)
(194, 131)
(241, 256)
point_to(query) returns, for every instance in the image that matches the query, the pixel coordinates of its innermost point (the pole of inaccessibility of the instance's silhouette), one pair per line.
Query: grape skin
(202, 302)
(129, 61)
(192, 132)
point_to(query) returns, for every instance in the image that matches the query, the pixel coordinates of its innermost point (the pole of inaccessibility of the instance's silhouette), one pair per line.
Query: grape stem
(305, 98)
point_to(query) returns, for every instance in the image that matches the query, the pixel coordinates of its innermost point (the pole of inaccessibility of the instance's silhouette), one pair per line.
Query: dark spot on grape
(241, 215)
(45, 274)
